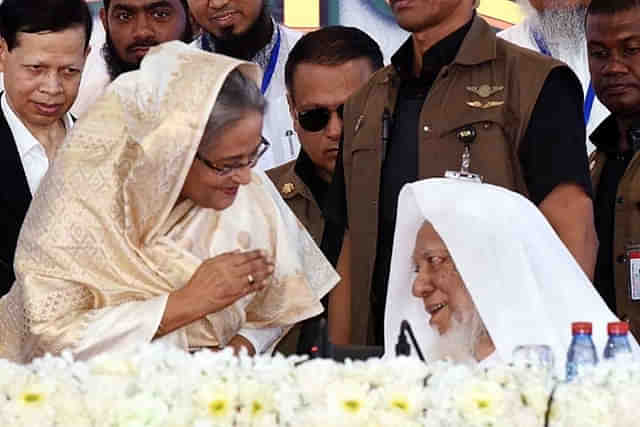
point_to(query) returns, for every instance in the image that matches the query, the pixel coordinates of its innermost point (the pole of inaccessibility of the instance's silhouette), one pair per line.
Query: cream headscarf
(103, 243)
(526, 285)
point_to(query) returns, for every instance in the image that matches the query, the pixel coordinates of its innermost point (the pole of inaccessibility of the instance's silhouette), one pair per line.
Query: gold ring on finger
(250, 279)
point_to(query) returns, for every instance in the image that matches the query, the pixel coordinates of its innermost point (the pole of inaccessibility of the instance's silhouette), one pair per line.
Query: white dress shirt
(32, 154)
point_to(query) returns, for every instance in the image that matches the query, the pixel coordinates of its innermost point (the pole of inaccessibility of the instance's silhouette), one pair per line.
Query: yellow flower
(352, 405)
(218, 400)
(482, 402)
(256, 408)
(402, 400)
(34, 395)
(219, 407)
(31, 398)
(255, 400)
(348, 401)
(400, 404)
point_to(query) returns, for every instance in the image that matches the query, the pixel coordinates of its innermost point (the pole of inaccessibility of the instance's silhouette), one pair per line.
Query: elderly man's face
(613, 43)
(226, 19)
(438, 282)
(541, 5)
(42, 74)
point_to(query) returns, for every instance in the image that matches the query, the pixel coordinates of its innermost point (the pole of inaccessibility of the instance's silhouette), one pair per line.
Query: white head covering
(527, 287)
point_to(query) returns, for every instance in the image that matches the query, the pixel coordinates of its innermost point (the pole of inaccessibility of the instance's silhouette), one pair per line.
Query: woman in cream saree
(109, 237)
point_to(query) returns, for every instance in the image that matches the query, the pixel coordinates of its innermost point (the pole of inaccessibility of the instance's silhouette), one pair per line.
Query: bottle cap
(617, 328)
(581, 328)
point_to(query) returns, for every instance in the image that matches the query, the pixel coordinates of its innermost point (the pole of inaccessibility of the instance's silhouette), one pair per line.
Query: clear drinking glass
(539, 355)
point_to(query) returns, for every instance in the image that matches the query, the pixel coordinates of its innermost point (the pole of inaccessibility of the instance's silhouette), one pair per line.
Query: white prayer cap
(527, 287)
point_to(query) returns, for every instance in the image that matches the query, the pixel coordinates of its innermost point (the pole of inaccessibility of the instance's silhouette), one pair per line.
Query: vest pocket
(482, 121)
(493, 153)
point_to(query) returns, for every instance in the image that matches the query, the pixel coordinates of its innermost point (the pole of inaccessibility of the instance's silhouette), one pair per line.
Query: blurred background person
(245, 29)
(556, 28)
(324, 68)
(129, 29)
(613, 40)
(43, 51)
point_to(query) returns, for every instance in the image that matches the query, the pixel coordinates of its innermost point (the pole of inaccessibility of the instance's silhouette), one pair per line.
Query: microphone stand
(402, 347)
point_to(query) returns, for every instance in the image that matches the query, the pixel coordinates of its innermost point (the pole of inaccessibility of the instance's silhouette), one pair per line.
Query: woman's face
(438, 282)
(233, 147)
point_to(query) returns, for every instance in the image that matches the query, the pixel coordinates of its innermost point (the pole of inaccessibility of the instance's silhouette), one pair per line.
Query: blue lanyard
(588, 103)
(591, 94)
(271, 67)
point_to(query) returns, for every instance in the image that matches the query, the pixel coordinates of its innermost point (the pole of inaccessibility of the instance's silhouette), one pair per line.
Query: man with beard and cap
(454, 93)
(556, 28)
(245, 29)
(474, 282)
(131, 28)
(613, 41)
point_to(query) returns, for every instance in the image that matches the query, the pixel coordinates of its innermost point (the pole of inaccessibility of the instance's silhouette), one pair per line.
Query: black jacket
(15, 198)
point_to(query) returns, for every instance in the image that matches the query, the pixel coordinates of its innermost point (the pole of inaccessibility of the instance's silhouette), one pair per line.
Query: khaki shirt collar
(292, 185)
(479, 45)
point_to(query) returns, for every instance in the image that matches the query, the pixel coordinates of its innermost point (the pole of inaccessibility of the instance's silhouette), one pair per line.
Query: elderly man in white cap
(475, 281)
(556, 28)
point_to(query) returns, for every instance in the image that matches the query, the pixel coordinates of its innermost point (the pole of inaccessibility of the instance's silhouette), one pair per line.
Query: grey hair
(239, 95)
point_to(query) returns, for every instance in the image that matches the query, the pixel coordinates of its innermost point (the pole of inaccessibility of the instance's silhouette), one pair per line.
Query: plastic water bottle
(582, 352)
(618, 346)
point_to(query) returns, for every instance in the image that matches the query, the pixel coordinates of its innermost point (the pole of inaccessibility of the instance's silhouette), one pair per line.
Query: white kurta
(522, 36)
(278, 125)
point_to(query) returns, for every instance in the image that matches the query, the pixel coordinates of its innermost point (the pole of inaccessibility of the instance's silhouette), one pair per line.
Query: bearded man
(474, 282)
(556, 28)
(131, 28)
(245, 29)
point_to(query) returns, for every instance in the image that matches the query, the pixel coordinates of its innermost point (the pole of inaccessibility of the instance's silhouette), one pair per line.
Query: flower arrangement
(163, 386)
(607, 396)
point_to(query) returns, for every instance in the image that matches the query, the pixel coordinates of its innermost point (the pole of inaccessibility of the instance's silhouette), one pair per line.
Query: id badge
(634, 274)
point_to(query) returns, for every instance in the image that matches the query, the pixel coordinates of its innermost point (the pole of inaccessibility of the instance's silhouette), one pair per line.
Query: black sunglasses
(316, 119)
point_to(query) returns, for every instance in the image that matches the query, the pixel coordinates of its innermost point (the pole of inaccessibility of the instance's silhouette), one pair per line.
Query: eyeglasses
(316, 119)
(224, 170)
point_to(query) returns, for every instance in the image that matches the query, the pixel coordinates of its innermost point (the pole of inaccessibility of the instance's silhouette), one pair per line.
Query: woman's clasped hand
(222, 280)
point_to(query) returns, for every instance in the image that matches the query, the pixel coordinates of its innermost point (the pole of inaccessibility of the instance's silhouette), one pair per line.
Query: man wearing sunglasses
(324, 68)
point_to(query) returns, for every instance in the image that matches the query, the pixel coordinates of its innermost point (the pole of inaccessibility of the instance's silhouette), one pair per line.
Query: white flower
(163, 386)
(481, 403)
(217, 401)
(403, 400)
(255, 401)
(348, 403)
(581, 404)
(137, 411)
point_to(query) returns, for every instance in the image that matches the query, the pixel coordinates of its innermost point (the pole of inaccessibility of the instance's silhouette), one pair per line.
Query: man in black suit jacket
(43, 48)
